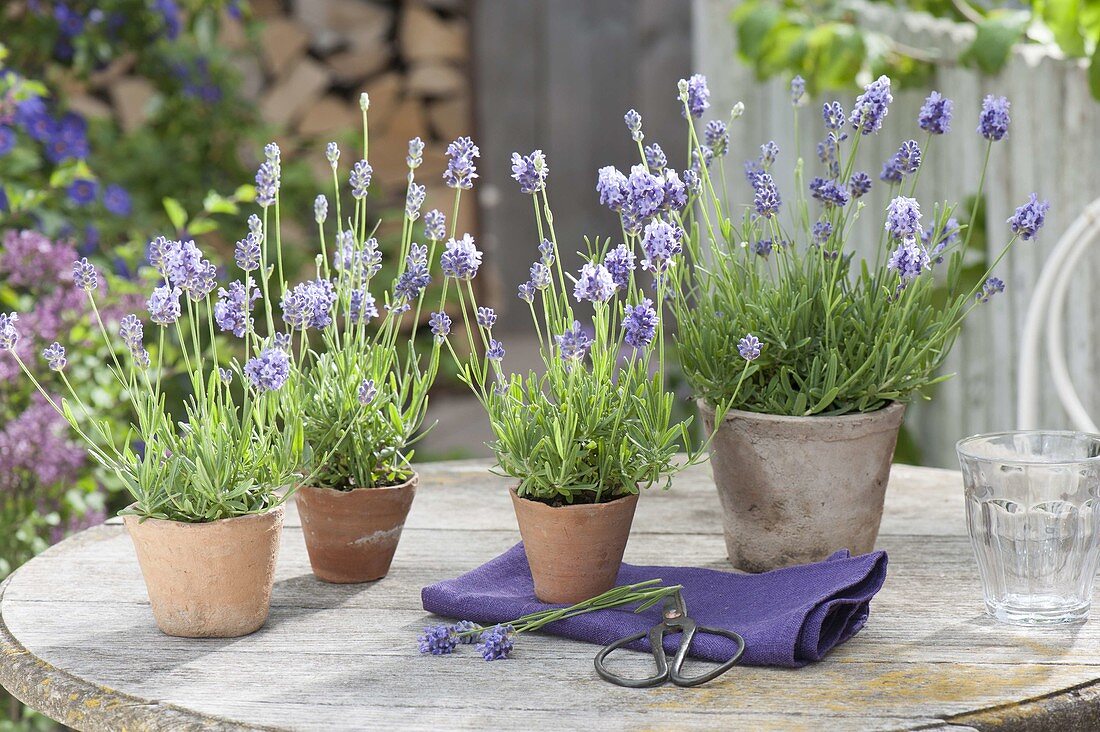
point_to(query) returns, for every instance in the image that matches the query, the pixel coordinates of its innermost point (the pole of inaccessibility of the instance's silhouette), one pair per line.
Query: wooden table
(78, 641)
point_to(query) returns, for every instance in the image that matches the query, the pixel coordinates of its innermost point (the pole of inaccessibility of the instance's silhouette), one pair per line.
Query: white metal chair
(1044, 315)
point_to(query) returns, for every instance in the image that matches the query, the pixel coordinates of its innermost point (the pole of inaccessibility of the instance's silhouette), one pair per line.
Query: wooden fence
(1053, 148)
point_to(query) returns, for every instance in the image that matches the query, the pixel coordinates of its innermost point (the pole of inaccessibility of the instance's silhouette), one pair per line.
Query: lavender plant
(831, 334)
(597, 424)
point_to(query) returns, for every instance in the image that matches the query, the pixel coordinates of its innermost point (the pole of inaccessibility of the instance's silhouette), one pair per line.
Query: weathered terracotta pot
(210, 580)
(351, 536)
(796, 489)
(574, 551)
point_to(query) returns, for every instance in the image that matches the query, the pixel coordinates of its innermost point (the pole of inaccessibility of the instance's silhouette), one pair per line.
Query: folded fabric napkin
(788, 617)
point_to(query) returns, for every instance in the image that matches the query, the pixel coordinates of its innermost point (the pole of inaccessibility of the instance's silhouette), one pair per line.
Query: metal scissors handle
(675, 620)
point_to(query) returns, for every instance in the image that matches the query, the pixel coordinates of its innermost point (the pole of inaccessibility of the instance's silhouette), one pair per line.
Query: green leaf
(754, 20)
(201, 226)
(1064, 19)
(245, 193)
(996, 35)
(175, 212)
(215, 203)
(1094, 73)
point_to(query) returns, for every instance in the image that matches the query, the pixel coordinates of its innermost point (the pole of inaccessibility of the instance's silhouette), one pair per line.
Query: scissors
(675, 620)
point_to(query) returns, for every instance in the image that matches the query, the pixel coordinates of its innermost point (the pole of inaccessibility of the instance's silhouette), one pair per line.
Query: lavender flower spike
(639, 324)
(1029, 218)
(903, 218)
(935, 114)
(530, 171)
(749, 347)
(620, 264)
(496, 643)
(320, 209)
(267, 184)
(461, 259)
(437, 640)
(695, 94)
(767, 200)
(991, 287)
(435, 225)
(332, 154)
(798, 91)
(495, 351)
(909, 260)
(9, 334)
(441, 325)
(84, 275)
(247, 253)
(633, 122)
(994, 119)
(594, 284)
(268, 371)
(461, 170)
(55, 356)
(872, 106)
(164, 305)
(367, 391)
(360, 179)
(574, 343)
(416, 153)
(486, 317)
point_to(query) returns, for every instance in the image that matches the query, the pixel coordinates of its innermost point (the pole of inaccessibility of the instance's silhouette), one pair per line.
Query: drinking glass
(1031, 510)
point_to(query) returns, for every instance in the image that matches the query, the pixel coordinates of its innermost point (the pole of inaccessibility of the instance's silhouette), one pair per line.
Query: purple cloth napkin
(788, 617)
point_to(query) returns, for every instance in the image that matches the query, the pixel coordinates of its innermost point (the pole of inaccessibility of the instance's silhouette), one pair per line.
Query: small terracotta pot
(574, 551)
(351, 536)
(210, 580)
(796, 489)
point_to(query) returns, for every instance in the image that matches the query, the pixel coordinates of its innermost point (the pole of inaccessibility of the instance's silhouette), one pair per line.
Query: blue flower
(9, 334)
(461, 169)
(798, 90)
(546, 252)
(55, 356)
(991, 287)
(414, 199)
(769, 151)
(645, 196)
(766, 200)
(362, 305)
(440, 324)
(903, 218)
(594, 284)
(639, 324)
(164, 305)
(82, 191)
(309, 305)
(749, 347)
(859, 184)
(612, 187)
(655, 157)
(84, 275)
(530, 171)
(675, 191)
(117, 201)
(7, 139)
(360, 178)
(435, 225)
(131, 331)
(909, 260)
(540, 276)
(829, 192)
(496, 643)
(233, 308)
(833, 115)
(620, 264)
(1029, 218)
(170, 12)
(574, 343)
(247, 252)
(69, 22)
(461, 259)
(367, 391)
(267, 184)
(935, 114)
(268, 371)
(872, 106)
(526, 292)
(695, 94)
(633, 122)
(412, 282)
(320, 209)
(416, 153)
(332, 154)
(486, 317)
(661, 241)
(437, 640)
(994, 119)
(821, 232)
(495, 352)
(717, 137)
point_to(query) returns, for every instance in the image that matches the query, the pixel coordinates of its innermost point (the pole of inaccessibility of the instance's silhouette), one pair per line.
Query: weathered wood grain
(78, 642)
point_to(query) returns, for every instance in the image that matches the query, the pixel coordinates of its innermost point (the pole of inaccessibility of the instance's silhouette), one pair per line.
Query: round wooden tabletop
(78, 642)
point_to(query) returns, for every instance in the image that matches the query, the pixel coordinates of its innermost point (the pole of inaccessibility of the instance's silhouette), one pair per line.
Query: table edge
(56, 692)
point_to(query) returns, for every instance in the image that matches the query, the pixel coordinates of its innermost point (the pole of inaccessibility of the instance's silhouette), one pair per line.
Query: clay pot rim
(886, 413)
(274, 512)
(414, 479)
(573, 506)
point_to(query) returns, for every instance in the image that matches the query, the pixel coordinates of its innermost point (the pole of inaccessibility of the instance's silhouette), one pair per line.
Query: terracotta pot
(351, 536)
(574, 551)
(796, 489)
(210, 580)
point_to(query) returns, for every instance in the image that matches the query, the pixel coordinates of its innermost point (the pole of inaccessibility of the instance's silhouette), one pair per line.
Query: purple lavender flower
(435, 225)
(798, 90)
(766, 200)
(320, 209)
(461, 259)
(859, 184)
(909, 260)
(170, 13)
(530, 171)
(332, 154)
(655, 158)
(829, 192)
(267, 183)
(55, 356)
(827, 154)
(7, 140)
(935, 114)
(437, 640)
(414, 199)
(540, 276)
(691, 181)
(717, 137)
(309, 305)
(187, 270)
(367, 391)
(496, 643)
(1029, 218)
(762, 248)
(461, 170)
(695, 94)
(226, 376)
(574, 343)
(117, 201)
(594, 284)
(362, 305)
(833, 115)
(416, 153)
(35, 451)
(495, 351)
(872, 106)
(947, 237)
(903, 218)
(633, 122)
(359, 179)
(526, 292)
(821, 232)
(84, 275)
(232, 310)
(620, 264)
(639, 324)
(69, 21)
(486, 317)
(661, 241)
(9, 334)
(82, 191)
(282, 341)
(891, 171)
(164, 305)
(255, 226)
(908, 157)
(268, 371)
(441, 325)
(675, 191)
(546, 252)
(769, 151)
(247, 252)
(994, 119)
(645, 196)
(991, 287)
(412, 282)
(612, 187)
(131, 331)
(749, 347)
